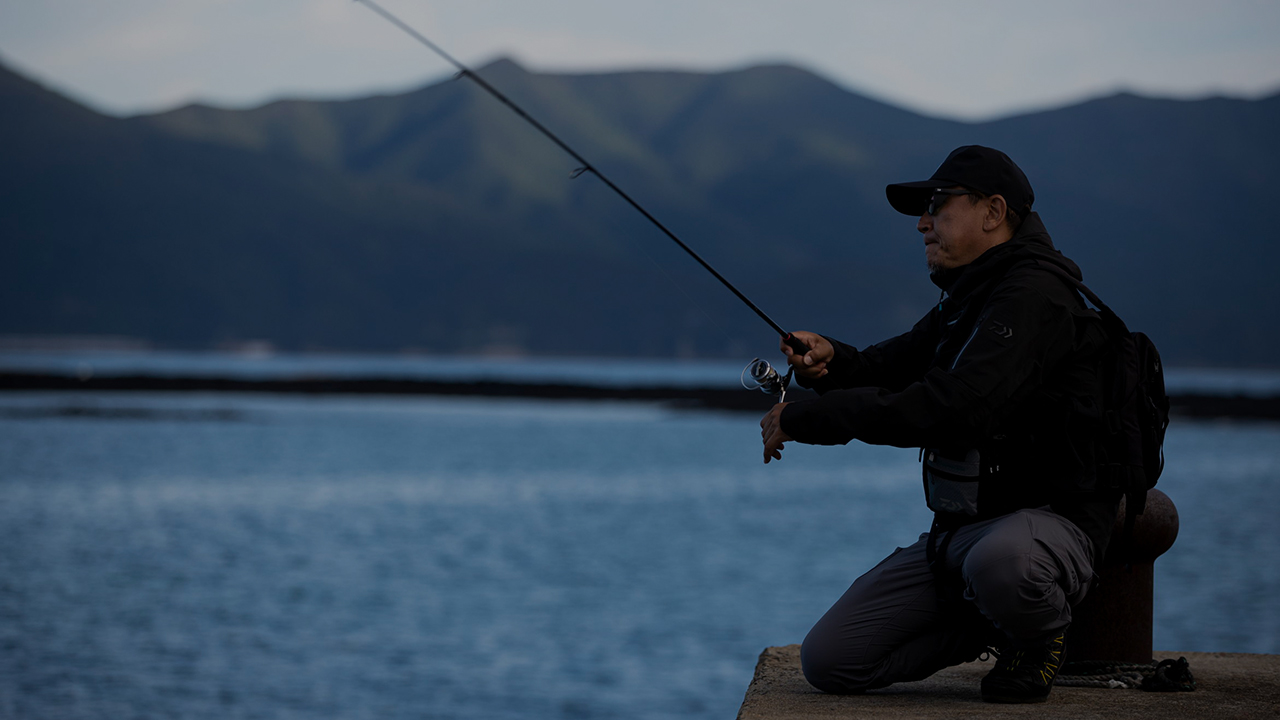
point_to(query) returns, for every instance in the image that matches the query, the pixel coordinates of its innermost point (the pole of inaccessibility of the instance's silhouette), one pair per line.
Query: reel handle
(795, 344)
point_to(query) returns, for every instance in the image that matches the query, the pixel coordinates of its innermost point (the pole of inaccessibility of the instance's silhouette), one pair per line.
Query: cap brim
(912, 198)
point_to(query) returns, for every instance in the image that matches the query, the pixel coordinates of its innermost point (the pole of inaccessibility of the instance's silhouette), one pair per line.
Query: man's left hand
(771, 433)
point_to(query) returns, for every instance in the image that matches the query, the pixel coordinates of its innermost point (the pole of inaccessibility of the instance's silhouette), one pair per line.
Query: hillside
(437, 220)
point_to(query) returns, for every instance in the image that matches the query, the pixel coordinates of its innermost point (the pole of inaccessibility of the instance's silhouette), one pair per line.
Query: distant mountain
(437, 220)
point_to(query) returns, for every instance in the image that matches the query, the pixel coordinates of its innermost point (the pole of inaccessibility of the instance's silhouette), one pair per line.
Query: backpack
(1135, 408)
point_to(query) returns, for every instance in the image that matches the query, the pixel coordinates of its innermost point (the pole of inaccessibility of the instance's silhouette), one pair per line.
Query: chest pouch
(951, 481)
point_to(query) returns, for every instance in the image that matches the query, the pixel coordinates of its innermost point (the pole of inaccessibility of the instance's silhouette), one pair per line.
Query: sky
(969, 61)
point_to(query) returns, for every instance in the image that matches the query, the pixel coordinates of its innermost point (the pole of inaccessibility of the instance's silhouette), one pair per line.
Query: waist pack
(952, 481)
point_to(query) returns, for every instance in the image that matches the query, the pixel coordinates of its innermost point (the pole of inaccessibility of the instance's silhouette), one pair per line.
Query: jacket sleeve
(1019, 335)
(892, 364)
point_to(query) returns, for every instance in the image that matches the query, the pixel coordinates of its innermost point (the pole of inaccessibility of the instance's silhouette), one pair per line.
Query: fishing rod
(764, 376)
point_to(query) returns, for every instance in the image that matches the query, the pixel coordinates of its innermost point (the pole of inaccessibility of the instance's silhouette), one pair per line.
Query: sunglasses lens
(940, 198)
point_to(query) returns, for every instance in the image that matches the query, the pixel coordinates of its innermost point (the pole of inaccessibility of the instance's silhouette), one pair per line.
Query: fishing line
(584, 165)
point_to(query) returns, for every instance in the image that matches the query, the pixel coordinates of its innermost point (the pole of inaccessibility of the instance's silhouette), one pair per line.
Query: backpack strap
(1110, 320)
(1135, 499)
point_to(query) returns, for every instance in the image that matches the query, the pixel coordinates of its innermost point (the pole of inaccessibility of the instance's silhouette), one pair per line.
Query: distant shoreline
(1196, 405)
(691, 397)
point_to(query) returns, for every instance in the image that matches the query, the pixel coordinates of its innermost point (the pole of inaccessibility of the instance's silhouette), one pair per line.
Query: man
(998, 385)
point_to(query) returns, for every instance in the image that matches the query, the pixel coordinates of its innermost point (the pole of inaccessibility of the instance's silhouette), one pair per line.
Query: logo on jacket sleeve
(1001, 329)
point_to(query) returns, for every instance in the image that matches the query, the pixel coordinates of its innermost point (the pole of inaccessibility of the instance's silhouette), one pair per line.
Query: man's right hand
(812, 364)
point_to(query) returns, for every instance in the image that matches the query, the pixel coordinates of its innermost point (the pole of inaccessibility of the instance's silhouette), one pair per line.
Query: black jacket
(1006, 363)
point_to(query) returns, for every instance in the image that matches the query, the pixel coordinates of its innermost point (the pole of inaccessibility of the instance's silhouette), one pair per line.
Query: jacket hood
(1030, 242)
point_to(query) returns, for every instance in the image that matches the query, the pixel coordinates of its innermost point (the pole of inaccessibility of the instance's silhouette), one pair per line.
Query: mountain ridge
(436, 219)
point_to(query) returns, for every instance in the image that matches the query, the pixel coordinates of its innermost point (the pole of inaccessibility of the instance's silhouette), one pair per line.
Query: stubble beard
(933, 261)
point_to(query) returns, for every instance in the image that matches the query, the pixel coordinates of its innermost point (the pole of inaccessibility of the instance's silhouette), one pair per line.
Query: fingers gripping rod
(584, 166)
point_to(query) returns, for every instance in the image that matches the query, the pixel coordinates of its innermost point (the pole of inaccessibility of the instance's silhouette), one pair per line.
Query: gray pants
(1019, 575)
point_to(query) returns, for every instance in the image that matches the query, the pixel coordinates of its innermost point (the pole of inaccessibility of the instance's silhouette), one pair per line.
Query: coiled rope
(1165, 676)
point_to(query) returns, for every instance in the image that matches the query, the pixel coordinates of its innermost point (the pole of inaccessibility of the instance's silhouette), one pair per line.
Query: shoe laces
(1044, 661)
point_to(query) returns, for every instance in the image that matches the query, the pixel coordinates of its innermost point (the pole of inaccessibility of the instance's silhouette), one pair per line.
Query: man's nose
(924, 223)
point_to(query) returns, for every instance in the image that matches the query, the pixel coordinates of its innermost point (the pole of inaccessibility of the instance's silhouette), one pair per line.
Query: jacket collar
(1031, 241)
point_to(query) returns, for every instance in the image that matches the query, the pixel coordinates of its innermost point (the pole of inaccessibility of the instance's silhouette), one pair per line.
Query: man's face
(953, 236)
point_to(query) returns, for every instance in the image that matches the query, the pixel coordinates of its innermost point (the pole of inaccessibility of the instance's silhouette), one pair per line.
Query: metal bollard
(1113, 622)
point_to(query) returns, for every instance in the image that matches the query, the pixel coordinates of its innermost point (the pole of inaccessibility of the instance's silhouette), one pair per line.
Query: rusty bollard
(1114, 621)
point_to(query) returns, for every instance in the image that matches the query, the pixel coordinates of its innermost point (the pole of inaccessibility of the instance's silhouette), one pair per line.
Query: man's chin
(935, 261)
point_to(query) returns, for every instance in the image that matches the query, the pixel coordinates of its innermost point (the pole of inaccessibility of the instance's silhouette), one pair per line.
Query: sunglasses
(940, 198)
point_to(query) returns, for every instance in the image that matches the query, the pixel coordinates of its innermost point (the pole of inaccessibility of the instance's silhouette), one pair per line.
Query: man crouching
(998, 385)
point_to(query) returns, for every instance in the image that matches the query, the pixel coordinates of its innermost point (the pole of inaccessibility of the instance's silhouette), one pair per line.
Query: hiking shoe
(1024, 676)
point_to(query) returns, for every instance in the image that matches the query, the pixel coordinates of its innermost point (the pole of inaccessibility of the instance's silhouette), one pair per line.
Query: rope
(1116, 677)
(1165, 676)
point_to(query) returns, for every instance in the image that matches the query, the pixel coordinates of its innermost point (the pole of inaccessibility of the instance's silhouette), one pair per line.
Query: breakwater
(1185, 404)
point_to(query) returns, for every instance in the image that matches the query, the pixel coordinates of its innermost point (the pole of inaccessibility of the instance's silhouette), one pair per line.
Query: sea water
(241, 556)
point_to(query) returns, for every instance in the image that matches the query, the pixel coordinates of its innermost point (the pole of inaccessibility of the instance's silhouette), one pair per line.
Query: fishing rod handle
(795, 344)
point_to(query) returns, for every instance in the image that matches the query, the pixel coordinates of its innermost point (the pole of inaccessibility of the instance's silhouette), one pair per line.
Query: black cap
(974, 167)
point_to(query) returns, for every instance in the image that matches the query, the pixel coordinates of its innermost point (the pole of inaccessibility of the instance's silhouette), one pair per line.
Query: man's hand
(812, 364)
(771, 433)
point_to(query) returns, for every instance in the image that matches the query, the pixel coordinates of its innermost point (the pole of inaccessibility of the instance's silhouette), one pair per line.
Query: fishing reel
(760, 375)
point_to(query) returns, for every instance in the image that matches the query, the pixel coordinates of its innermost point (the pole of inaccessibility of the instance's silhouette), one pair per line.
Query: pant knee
(1006, 588)
(1022, 593)
(826, 670)
(999, 569)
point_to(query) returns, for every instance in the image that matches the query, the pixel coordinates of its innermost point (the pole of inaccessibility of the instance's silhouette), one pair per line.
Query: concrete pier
(1230, 685)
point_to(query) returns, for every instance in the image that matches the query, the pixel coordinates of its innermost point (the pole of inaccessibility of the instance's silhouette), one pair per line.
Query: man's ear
(996, 211)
